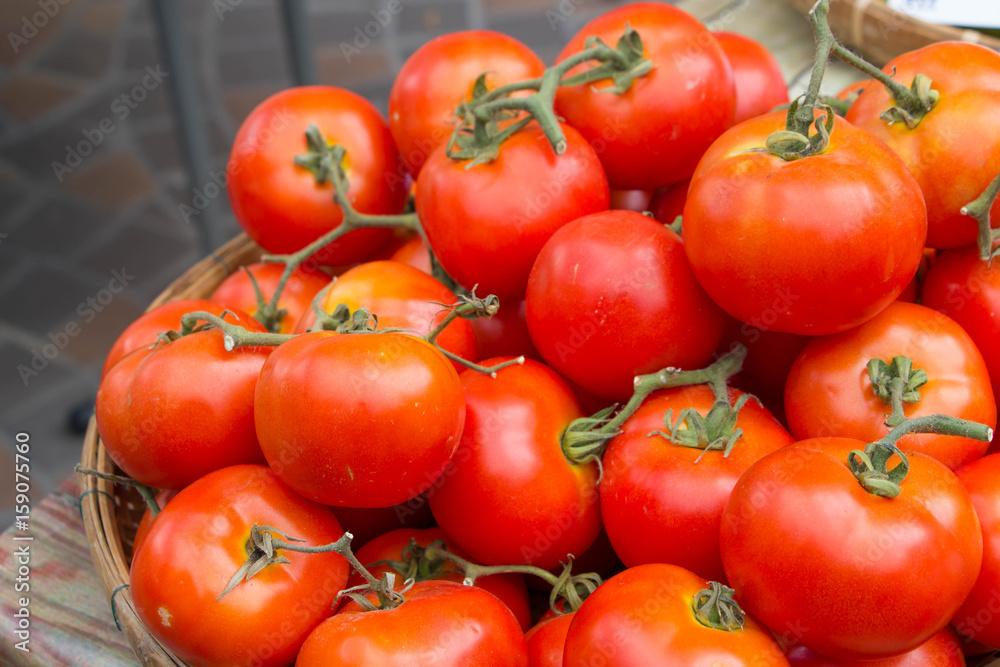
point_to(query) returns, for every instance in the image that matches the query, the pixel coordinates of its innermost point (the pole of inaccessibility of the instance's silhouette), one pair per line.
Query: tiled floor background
(63, 232)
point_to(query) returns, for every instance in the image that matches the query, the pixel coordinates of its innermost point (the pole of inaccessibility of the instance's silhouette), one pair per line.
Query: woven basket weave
(111, 516)
(880, 34)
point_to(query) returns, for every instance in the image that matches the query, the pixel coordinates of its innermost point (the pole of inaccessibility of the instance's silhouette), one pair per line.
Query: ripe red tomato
(547, 640)
(654, 133)
(631, 200)
(760, 85)
(979, 617)
(394, 546)
(510, 495)
(611, 297)
(662, 502)
(439, 76)
(829, 391)
(145, 330)
(279, 204)
(941, 650)
(175, 412)
(952, 152)
(812, 246)
(237, 291)
(414, 253)
(487, 223)
(505, 334)
(644, 616)
(372, 421)
(401, 296)
(441, 623)
(146, 522)
(967, 289)
(891, 572)
(199, 541)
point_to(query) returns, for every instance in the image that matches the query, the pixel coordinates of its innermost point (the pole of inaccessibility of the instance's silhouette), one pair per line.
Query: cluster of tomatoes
(472, 352)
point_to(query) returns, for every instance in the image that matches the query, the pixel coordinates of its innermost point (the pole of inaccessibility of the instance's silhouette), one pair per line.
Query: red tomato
(510, 495)
(830, 393)
(372, 421)
(770, 355)
(654, 133)
(891, 572)
(173, 413)
(237, 291)
(662, 502)
(367, 523)
(952, 152)
(198, 542)
(941, 650)
(611, 297)
(979, 617)
(644, 616)
(547, 640)
(145, 330)
(414, 253)
(760, 85)
(505, 334)
(146, 522)
(668, 202)
(967, 289)
(812, 246)
(279, 204)
(515, 203)
(850, 93)
(401, 296)
(439, 76)
(441, 623)
(394, 546)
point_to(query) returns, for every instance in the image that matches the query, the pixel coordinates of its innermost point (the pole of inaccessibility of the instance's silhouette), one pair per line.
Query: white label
(971, 13)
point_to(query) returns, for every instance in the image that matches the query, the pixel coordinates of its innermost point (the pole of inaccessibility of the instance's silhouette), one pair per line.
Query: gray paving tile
(59, 228)
(142, 251)
(430, 19)
(18, 382)
(44, 300)
(79, 54)
(264, 65)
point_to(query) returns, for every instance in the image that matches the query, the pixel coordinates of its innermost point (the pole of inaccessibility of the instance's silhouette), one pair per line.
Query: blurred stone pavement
(92, 179)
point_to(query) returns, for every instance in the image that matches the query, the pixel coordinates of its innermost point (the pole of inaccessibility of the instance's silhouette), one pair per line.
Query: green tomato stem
(148, 496)
(979, 208)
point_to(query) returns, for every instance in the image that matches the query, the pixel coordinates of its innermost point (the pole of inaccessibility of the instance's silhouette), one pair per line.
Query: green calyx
(716, 431)
(795, 141)
(896, 383)
(419, 563)
(714, 607)
(912, 107)
(320, 157)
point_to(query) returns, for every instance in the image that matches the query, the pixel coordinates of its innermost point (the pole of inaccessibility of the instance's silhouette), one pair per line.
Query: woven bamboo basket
(881, 34)
(111, 515)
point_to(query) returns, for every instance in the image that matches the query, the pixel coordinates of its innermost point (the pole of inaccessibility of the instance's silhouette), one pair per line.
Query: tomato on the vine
(197, 543)
(809, 246)
(372, 421)
(979, 617)
(942, 650)
(654, 133)
(279, 204)
(237, 291)
(760, 85)
(439, 76)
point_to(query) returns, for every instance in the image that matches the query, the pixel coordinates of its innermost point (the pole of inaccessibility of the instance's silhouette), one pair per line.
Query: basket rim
(100, 520)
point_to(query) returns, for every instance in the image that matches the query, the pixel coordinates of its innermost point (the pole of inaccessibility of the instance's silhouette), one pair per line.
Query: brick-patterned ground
(65, 229)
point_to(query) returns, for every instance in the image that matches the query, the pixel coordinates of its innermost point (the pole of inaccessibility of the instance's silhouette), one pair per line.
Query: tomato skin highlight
(660, 503)
(654, 133)
(510, 496)
(196, 544)
(829, 391)
(373, 422)
(177, 411)
(279, 204)
(643, 616)
(891, 572)
(486, 224)
(439, 76)
(611, 296)
(441, 623)
(954, 152)
(808, 263)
